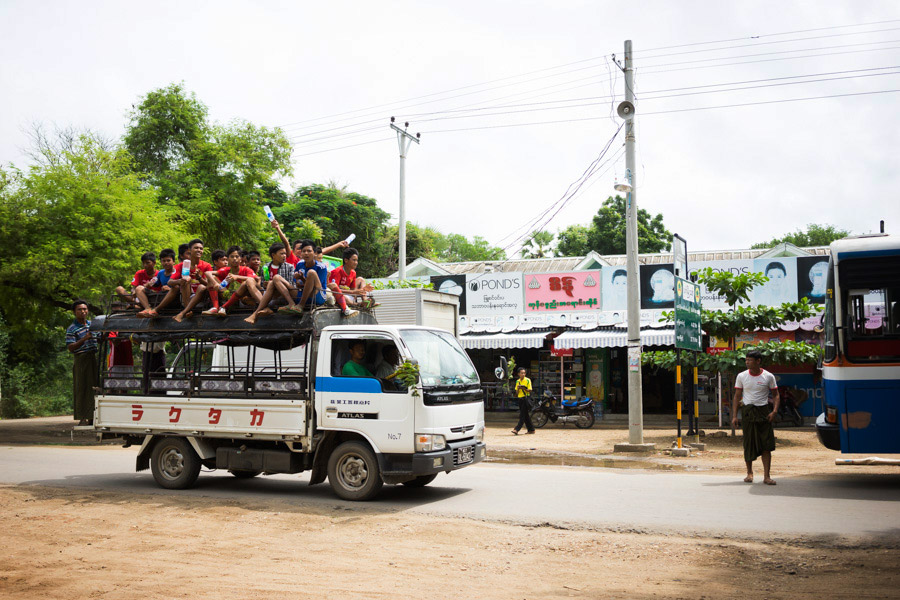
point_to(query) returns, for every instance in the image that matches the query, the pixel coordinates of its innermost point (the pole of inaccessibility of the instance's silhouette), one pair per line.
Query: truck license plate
(465, 455)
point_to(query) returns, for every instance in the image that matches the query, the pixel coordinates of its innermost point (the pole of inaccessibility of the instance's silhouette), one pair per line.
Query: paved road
(852, 505)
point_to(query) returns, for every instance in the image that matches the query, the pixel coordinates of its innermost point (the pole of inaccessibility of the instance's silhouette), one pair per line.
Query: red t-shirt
(292, 258)
(197, 273)
(343, 279)
(242, 271)
(141, 278)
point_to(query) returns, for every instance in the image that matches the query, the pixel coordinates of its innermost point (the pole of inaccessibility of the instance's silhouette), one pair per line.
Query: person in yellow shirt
(523, 393)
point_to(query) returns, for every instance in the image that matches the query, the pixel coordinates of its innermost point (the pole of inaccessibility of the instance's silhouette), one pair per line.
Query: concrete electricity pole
(635, 392)
(403, 139)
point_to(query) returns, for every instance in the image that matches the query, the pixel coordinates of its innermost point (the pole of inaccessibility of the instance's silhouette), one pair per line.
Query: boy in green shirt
(355, 367)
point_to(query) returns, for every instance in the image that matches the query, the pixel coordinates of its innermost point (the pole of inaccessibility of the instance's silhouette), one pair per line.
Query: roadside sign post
(687, 334)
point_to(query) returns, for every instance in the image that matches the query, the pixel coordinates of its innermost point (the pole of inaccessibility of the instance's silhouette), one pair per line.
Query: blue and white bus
(861, 367)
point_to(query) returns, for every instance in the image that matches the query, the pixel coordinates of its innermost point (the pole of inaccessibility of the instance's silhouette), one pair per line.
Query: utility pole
(403, 139)
(626, 111)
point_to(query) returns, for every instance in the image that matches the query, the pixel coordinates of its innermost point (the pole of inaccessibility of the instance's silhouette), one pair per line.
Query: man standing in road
(752, 388)
(80, 342)
(523, 392)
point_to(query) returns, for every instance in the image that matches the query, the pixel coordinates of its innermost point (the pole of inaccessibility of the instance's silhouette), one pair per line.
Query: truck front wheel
(174, 463)
(353, 472)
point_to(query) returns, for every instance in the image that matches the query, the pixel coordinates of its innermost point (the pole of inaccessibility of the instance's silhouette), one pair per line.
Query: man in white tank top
(752, 389)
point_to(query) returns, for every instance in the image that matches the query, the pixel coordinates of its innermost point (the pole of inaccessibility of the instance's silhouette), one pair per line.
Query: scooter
(580, 412)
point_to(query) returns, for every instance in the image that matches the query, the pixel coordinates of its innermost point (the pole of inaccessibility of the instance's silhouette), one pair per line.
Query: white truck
(273, 398)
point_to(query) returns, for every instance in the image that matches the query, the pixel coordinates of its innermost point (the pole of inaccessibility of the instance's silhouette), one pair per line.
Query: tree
(73, 226)
(216, 176)
(607, 232)
(573, 241)
(538, 245)
(339, 213)
(458, 248)
(815, 235)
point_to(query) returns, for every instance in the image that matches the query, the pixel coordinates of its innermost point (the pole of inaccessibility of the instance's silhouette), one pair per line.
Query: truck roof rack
(279, 331)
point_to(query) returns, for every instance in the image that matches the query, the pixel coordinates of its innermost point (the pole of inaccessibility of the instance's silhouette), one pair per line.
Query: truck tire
(353, 472)
(420, 481)
(174, 463)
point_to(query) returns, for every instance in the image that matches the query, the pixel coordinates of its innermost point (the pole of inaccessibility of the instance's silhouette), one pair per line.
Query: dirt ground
(64, 543)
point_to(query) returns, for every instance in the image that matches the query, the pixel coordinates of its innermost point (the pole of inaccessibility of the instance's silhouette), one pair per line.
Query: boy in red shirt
(231, 276)
(191, 289)
(143, 279)
(343, 280)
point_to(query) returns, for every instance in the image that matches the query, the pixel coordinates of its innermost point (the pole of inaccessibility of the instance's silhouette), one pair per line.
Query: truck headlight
(427, 442)
(479, 434)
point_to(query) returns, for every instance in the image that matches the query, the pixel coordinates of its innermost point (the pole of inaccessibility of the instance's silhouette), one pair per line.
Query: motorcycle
(580, 412)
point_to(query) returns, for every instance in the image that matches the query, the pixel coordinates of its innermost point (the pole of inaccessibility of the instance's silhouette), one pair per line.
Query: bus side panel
(869, 414)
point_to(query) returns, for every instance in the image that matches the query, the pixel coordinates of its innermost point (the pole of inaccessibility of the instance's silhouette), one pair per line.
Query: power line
(753, 37)
(343, 147)
(816, 37)
(784, 100)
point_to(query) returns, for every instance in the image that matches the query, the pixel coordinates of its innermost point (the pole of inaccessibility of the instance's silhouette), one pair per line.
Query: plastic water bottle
(350, 238)
(269, 213)
(186, 269)
(224, 283)
(153, 281)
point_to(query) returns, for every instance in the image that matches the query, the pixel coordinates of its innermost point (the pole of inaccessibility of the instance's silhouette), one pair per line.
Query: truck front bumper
(427, 463)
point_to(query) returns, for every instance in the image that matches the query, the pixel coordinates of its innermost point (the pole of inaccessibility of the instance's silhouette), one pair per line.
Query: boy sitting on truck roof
(219, 260)
(241, 279)
(144, 279)
(343, 280)
(314, 275)
(280, 276)
(293, 255)
(191, 289)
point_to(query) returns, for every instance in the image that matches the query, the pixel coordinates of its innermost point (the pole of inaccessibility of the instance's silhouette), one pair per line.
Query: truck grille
(462, 429)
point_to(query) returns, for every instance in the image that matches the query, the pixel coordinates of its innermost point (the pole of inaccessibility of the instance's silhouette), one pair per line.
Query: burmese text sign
(687, 315)
(577, 290)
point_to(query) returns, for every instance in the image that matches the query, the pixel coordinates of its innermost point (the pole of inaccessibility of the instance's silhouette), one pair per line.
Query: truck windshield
(441, 360)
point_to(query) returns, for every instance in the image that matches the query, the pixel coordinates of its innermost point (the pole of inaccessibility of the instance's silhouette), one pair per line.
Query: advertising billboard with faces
(657, 286)
(452, 284)
(812, 275)
(736, 267)
(615, 288)
(782, 284)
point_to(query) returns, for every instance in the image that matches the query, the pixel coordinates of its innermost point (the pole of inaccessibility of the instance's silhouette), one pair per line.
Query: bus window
(871, 330)
(829, 317)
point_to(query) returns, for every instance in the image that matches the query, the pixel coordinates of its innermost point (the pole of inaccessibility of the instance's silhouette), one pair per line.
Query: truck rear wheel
(353, 472)
(174, 463)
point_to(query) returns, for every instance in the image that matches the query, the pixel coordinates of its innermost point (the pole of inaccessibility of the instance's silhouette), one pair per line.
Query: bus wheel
(353, 472)
(420, 481)
(174, 463)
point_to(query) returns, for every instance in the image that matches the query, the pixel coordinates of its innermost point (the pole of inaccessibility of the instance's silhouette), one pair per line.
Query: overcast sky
(332, 73)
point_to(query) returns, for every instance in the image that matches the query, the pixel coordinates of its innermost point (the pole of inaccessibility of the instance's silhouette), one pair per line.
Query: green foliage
(815, 235)
(732, 361)
(307, 229)
(729, 324)
(402, 284)
(408, 374)
(76, 229)
(338, 213)
(607, 232)
(735, 288)
(458, 248)
(216, 177)
(538, 245)
(573, 241)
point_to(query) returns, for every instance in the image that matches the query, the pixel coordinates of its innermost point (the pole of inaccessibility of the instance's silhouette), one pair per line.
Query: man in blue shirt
(80, 342)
